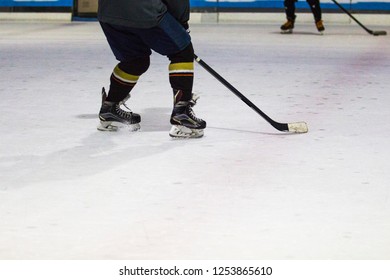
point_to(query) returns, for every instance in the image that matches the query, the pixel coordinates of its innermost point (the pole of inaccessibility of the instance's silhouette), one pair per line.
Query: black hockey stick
(375, 33)
(297, 127)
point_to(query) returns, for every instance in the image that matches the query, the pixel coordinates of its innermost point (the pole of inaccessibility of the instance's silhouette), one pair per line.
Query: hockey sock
(289, 6)
(124, 77)
(181, 72)
(315, 9)
(121, 85)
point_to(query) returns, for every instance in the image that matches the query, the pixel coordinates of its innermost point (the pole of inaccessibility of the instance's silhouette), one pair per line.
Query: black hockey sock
(315, 9)
(181, 78)
(125, 76)
(181, 72)
(289, 6)
(121, 85)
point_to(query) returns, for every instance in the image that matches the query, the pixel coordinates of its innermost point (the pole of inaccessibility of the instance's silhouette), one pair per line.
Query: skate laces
(118, 110)
(191, 104)
(122, 113)
(185, 108)
(191, 113)
(125, 114)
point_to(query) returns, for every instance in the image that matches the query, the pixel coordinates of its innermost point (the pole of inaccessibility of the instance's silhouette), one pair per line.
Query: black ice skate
(320, 26)
(184, 122)
(288, 26)
(112, 116)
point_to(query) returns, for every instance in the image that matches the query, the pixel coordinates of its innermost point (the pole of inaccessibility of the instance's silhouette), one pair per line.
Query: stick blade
(298, 127)
(380, 32)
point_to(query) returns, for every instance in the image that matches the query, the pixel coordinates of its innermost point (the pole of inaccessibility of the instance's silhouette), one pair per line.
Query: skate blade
(115, 126)
(182, 132)
(288, 31)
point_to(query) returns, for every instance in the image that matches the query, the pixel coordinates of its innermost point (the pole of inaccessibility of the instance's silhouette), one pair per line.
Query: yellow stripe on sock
(182, 67)
(124, 77)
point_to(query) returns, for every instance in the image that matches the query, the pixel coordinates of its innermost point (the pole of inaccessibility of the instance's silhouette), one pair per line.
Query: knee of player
(136, 66)
(185, 55)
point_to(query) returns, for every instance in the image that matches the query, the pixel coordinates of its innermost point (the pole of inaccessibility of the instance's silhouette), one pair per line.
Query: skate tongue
(194, 99)
(104, 95)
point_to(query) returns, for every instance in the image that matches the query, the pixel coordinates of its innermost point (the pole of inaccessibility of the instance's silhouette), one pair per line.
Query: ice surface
(244, 191)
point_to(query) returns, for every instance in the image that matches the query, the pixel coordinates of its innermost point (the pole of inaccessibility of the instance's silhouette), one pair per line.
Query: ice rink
(243, 191)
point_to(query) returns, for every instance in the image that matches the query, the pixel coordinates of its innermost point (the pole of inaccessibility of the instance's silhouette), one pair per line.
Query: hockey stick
(375, 33)
(297, 127)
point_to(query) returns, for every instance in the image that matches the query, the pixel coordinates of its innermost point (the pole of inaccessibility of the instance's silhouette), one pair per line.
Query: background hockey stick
(297, 127)
(375, 33)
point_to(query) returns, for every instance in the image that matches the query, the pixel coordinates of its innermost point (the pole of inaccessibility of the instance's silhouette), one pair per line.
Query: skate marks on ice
(299, 33)
(152, 119)
(88, 116)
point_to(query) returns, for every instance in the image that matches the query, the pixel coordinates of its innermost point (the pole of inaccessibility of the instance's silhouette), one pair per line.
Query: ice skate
(288, 26)
(184, 122)
(320, 26)
(112, 116)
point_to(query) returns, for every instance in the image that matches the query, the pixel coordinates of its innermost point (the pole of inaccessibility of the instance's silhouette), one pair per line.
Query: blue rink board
(267, 4)
(40, 3)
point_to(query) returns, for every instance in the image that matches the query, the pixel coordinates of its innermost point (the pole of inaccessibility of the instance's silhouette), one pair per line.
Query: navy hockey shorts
(127, 43)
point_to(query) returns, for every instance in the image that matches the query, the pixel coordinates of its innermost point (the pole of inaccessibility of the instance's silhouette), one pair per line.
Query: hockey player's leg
(133, 55)
(184, 122)
(288, 26)
(112, 114)
(317, 13)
